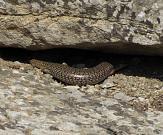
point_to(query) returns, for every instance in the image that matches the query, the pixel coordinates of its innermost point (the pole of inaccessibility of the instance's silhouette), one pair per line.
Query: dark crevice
(146, 66)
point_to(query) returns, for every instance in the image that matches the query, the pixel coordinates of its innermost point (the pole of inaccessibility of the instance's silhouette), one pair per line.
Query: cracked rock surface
(33, 103)
(134, 26)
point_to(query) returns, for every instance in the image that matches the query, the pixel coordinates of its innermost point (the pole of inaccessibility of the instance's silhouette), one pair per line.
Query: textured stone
(33, 103)
(134, 26)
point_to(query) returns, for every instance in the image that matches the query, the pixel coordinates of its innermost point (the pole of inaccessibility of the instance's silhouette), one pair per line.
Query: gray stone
(30, 105)
(134, 26)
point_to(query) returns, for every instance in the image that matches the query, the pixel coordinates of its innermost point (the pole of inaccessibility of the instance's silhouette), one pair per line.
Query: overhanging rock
(130, 26)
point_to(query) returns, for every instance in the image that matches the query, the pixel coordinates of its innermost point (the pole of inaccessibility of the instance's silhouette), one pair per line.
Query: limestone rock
(125, 26)
(32, 103)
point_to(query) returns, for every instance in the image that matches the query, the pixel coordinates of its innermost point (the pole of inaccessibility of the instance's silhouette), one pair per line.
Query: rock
(133, 26)
(123, 97)
(33, 103)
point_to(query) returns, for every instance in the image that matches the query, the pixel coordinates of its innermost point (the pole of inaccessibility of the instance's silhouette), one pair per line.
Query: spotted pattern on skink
(75, 76)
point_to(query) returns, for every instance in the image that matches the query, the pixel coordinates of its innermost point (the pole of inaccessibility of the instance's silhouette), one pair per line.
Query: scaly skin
(75, 76)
